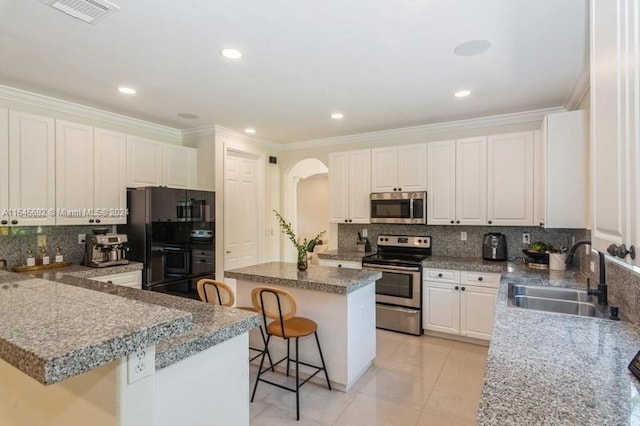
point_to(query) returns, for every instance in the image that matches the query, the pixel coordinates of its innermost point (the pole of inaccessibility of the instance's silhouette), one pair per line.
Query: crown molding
(428, 129)
(579, 91)
(221, 131)
(208, 130)
(91, 113)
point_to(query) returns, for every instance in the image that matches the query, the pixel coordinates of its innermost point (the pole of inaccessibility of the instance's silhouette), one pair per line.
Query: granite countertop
(473, 264)
(547, 368)
(82, 271)
(325, 279)
(52, 331)
(346, 255)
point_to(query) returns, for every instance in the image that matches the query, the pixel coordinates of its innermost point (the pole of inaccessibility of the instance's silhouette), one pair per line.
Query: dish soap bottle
(31, 260)
(59, 258)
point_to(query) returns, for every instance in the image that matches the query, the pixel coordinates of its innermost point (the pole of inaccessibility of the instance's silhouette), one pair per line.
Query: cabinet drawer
(127, 279)
(481, 279)
(441, 275)
(340, 263)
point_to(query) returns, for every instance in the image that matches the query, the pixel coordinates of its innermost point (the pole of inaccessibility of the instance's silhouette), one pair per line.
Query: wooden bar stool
(219, 293)
(280, 306)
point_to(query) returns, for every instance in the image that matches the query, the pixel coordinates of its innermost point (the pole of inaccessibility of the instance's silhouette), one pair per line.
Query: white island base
(346, 330)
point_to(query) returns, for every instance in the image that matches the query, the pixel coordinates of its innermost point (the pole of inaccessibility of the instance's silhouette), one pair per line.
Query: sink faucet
(601, 292)
(572, 250)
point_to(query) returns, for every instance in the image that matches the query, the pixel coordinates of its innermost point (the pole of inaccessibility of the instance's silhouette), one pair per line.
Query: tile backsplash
(446, 239)
(13, 247)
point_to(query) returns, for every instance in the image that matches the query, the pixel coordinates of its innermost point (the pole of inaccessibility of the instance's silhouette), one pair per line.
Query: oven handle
(393, 268)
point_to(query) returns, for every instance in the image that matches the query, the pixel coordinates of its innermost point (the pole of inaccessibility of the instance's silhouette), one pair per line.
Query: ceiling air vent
(89, 11)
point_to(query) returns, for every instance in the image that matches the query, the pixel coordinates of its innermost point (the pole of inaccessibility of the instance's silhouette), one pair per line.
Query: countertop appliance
(399, 207)
(103, 249)
(172, 231)
(494, 246)
(399, 291)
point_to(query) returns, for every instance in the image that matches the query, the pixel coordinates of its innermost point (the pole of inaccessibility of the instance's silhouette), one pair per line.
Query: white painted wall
(313, 206)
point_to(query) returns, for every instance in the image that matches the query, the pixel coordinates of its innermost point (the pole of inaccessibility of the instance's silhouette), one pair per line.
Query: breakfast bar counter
(340, 300)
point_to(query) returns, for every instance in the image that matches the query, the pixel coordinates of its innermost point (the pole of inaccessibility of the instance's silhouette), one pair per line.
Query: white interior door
(241, 210)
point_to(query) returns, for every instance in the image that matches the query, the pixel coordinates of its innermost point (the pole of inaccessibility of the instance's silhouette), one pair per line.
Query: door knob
(228, 251)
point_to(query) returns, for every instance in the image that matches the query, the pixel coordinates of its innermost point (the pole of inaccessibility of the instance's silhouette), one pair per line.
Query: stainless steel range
(398, 292)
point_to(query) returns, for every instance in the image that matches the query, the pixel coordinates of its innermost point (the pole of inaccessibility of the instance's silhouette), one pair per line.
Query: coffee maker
(103, 249)
(494, 246)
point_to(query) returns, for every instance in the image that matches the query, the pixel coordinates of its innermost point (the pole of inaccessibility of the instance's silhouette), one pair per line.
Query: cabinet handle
(399, 189)
(479, 278)
(4, 222)
(457, 221)
(439, 275)
(456, 288)
(542, 223)
(97, 220)
(350, 220)
(632, 252)
(339, 265)
(463, 289)
(452, 222)
(489, 222)
(14, 222)
(109, 282)
(395, 189)
(91, 221)
(346, 220)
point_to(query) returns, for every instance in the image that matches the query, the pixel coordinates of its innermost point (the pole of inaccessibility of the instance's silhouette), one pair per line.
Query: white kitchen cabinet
(401, 168)
(459, 302)
(131, 279)
(31, 169)
(471, 181)
(144, 162)
(90, 168)
(615, 124)
(335, 263)
(510, 167)
(441, 192)
(151, 163)
(349, 186)
(4, 166)
(562, 183)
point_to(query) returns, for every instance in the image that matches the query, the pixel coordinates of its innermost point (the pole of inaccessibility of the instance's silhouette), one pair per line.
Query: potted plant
(303, 247)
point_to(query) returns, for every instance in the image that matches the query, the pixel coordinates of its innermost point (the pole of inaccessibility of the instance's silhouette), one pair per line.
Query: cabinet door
(32, 174)
(471, 181)
(412, 167)
(510, 179)
(441, 192)
(178, 166)
(4, 166)
(144, 162)
(633, 87)
(109, 174)
(441, 307)
(477, 309)
(359, 186)
(384, 169)
(74, 173)
(338, 187)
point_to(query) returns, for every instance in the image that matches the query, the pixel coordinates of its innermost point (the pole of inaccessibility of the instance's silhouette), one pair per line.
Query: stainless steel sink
(559, 300)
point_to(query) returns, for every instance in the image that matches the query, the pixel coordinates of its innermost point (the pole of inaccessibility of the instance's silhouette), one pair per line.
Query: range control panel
(404, 241)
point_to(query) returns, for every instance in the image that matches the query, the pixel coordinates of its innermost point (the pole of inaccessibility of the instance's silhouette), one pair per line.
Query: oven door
(177, 261)
(399, 285)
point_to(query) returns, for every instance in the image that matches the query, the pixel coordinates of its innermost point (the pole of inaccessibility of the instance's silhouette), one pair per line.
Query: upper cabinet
(615, 126)
(400, 168)
(4, 166)
(349, 186)
(150, 163)
(31, 169)
(563, 171)
(441, 204)
(90, 168)
(510, 166)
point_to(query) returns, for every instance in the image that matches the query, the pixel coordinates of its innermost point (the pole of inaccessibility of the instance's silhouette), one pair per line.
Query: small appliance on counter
(494, 246)
(103, 249)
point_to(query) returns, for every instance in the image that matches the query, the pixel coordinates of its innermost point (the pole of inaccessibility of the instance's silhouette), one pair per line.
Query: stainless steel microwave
(399, 207)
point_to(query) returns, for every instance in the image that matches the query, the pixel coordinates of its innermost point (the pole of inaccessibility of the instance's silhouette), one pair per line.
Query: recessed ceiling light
(188, 115)
(231, 53)
(250, 131)
(337, 115)
(462, 93)
(126, 90)
(472, 47)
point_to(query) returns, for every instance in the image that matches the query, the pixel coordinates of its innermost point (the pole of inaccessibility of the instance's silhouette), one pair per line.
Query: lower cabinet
(340, 263)
(126, 279)
(459, 302)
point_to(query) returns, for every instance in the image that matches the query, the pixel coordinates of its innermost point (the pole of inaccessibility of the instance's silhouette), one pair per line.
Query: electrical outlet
(526, 238)
(463, 236)
(141, 364)
(42, 241)
(592, 266)
(365, 233)
(82, 238)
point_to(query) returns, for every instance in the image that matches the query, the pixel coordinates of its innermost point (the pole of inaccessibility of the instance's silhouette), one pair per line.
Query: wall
(446, 239)
(313, 206)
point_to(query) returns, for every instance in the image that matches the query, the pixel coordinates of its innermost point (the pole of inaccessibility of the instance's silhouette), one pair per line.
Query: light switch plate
(463, 236)
(141, 364)
(365, 233)
(526, 238)
(81, 238)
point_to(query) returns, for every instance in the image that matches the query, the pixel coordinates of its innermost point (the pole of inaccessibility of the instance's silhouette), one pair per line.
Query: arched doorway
(306, 203)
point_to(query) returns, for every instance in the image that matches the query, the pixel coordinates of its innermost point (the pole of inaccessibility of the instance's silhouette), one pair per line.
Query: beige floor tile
(367, 411)
(458, 403)
(278, 416)
(399, 388)
(435, 417)
(458, 374)
(421, 361)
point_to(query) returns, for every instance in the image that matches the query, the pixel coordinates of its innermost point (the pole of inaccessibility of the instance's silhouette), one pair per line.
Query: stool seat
(293, 327)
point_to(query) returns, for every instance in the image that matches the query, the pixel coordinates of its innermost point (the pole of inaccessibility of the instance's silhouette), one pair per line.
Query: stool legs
(297, 382)
(324, 367)
(288, 356)
(255, 386)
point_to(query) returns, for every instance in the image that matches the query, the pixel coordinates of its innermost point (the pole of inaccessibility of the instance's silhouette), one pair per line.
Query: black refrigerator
(171, 231)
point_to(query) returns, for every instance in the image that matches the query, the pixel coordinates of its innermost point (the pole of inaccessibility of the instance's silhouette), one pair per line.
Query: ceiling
(383, 63)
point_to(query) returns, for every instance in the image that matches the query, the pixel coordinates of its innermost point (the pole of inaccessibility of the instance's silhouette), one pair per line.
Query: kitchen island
(118, 355)
(547, 368)
(340, 300)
